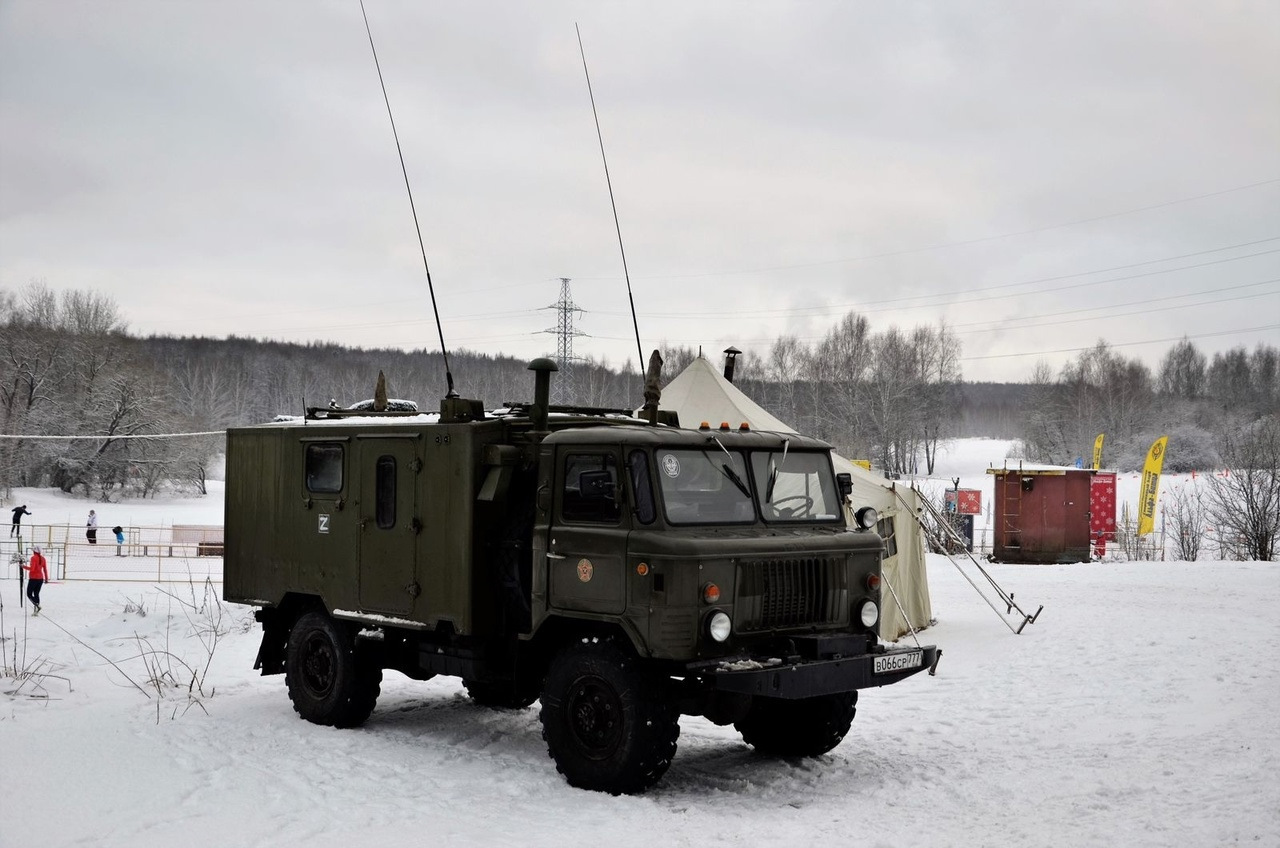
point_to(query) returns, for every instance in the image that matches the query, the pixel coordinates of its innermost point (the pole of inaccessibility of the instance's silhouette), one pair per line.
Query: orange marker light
(642, 569)
(873, 581)
(711, 593)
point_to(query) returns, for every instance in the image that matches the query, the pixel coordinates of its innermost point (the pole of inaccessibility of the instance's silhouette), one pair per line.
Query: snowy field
(1139, 710)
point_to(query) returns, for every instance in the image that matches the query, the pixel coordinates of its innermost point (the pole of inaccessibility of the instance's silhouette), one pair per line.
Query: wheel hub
(317, 667)
(595, 717)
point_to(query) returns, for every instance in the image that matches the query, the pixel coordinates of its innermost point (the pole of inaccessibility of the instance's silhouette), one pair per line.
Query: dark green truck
(622, 572)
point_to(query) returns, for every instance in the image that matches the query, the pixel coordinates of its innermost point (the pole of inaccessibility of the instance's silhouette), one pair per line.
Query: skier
(18, 512)
(92, 533)
(37, 572)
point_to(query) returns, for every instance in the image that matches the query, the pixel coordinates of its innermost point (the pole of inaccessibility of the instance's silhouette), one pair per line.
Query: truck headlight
(719, 626)
(870, 614)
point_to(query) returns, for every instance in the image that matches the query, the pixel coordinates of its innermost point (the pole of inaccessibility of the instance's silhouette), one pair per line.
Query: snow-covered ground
(1139, 710)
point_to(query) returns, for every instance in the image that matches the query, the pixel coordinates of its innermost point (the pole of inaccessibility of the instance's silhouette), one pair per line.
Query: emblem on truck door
(585, 570)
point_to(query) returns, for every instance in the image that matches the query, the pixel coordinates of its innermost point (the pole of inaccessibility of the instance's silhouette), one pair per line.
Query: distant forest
(69, 368)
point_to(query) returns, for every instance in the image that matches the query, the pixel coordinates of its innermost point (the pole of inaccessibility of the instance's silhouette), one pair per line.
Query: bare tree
(837, 370)
(1183, 371)
(1099, 392)
(676, 358)
(1244, 501)
(783, 369)
(1187, 516)
(938, 358)
(52, 351)
(1230, 380)
(890, 404)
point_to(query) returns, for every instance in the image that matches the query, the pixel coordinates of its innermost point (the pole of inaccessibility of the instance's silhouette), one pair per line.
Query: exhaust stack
(730, 360)
(541, 368)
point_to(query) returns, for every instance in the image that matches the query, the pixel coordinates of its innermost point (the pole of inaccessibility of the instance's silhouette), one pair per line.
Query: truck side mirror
(844, 480)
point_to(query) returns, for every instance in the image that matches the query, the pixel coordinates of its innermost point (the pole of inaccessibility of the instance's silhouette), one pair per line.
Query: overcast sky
(1039, 175)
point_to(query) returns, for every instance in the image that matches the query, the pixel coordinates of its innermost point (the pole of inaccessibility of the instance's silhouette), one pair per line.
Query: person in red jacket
(37, 573)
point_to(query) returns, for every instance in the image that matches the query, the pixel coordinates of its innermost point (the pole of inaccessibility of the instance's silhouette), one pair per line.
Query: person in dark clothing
(18, 512)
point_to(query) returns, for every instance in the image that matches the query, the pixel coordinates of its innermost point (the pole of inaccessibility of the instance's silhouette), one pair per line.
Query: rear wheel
(804, 728)
(607, 722)
(330, 682)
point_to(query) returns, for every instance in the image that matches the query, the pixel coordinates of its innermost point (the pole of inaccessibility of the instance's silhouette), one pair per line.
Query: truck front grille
(788, 593)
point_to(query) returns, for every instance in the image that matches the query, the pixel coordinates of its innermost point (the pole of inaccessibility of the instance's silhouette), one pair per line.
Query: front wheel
(803, 728)
(329, 682)
(607, 722)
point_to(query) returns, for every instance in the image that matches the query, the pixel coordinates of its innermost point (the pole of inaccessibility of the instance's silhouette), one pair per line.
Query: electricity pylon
(564, 388)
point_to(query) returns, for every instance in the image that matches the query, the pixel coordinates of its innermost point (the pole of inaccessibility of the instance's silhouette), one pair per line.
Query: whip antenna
(609, 183)
(448, 375)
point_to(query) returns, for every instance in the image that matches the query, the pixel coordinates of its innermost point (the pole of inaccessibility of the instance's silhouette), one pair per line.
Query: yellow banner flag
(1097, 451)
(1151, 486)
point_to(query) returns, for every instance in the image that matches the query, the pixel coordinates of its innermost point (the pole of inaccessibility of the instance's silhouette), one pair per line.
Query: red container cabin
(1043, 514)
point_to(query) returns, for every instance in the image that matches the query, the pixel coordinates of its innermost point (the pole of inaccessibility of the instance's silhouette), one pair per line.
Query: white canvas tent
(701, 393)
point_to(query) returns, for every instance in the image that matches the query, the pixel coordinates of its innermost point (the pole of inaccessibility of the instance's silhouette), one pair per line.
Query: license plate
(898, 662)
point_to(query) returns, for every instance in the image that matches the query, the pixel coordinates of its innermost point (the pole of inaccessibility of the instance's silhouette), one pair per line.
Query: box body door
(388, 521)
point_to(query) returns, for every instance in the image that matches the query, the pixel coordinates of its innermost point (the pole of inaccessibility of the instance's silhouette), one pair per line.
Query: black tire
(500, 696)
(329, 682)
(803, 728)
(607, 723)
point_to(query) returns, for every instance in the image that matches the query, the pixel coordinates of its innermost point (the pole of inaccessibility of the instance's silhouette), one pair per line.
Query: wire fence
(174, 554)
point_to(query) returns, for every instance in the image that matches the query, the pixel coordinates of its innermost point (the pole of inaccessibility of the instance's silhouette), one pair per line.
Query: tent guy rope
(943, 525)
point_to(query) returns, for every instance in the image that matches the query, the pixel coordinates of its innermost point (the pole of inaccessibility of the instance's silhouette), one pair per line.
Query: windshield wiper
(729, 472)
(773, 471)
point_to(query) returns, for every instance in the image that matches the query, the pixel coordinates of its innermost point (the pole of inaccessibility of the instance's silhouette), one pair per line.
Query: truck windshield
(803, 489)
(705, 486)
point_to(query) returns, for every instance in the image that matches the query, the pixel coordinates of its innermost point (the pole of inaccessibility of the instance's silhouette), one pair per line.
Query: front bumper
(795, 678)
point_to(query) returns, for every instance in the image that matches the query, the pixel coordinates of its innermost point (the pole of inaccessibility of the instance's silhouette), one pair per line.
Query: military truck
(622, 570)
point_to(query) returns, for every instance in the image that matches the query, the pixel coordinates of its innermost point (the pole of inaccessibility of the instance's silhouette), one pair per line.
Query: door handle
(551, 555)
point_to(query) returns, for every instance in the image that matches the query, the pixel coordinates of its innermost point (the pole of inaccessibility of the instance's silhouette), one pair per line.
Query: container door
(387, 512)
(1076, 519)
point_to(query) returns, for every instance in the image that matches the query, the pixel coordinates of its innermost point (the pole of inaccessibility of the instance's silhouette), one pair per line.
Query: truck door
(587, 545)
(387, 513)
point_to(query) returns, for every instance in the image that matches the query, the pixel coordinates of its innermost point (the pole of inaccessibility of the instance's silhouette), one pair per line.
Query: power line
(347, 309)
(770, 339)
(885, 305)
(1124, 344)
(942, 245)
(1057, 316)
(1014, 323)
(882, 305)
